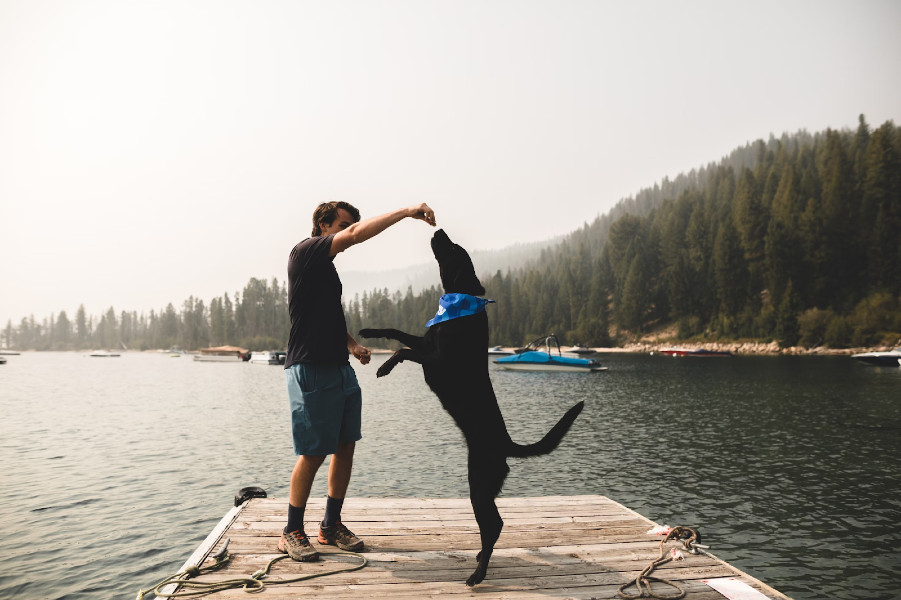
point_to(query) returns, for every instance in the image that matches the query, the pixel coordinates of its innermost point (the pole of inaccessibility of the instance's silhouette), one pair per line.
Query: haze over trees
(256, 318)
(796, 239)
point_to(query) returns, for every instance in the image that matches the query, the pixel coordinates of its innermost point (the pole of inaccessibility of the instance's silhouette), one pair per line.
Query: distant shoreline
(748, 348)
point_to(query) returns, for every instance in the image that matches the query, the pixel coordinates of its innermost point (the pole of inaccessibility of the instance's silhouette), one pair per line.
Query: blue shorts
(326, 407)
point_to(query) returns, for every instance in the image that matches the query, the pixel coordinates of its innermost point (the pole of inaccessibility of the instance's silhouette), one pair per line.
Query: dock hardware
(246, 493)
(691, 541)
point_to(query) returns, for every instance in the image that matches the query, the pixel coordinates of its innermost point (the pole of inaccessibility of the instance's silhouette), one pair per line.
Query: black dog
(452, 355)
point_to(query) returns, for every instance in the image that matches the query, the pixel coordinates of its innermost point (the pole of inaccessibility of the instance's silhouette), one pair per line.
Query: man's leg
(294, 540)
(339, 470)
(338, 480)
(301, 482)
(331, 530)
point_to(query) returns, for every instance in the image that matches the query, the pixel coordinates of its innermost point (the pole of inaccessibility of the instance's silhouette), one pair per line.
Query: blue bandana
(452, 306)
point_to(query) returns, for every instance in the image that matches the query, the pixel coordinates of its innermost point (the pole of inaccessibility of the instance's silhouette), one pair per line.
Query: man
(323, 392)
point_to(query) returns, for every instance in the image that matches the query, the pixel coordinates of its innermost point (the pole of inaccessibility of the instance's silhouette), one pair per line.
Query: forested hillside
(796, 239)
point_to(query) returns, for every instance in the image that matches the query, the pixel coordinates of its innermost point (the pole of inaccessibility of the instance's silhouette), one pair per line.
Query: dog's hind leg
(484, 486)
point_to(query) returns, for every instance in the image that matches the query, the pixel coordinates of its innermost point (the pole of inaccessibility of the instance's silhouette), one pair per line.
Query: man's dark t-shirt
(318, 330)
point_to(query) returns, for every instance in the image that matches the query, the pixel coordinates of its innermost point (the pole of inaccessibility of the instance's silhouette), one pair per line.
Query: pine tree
(731, 270)
(111, 339)
(634, 296)
(788, 332)
(64, 329)
(81, 328)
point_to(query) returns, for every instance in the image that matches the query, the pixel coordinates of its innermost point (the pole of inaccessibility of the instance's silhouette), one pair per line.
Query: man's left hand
(361, 354)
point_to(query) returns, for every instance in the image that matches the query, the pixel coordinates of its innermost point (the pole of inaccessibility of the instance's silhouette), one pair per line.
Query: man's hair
(327, 212)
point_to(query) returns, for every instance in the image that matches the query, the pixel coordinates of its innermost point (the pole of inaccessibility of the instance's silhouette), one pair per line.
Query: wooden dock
(551, 547)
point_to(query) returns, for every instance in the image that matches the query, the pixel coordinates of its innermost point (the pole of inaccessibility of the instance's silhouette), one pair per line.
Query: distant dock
(574, 547)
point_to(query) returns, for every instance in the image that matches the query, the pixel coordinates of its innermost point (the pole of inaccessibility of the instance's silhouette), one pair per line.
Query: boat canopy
(223, 350)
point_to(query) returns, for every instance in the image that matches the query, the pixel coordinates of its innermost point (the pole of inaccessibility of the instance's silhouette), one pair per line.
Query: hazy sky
(154, 150)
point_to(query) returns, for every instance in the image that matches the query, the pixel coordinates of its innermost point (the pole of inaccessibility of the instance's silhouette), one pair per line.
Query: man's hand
(423, 213)
(361, 354)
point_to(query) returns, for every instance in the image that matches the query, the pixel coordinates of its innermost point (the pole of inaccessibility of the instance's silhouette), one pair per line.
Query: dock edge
(209, 543)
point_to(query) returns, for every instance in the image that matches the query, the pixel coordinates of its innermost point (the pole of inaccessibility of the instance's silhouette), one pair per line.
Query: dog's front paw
(386, 368)
(369, 333)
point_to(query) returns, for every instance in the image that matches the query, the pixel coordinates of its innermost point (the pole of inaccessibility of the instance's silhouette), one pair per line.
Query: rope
(251, 584)
(691, 539)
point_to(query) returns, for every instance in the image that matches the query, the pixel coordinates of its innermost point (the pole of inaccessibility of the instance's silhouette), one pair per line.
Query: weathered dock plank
(551, 547)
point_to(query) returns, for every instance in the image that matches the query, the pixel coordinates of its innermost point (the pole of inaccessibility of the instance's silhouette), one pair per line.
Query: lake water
(114, 470)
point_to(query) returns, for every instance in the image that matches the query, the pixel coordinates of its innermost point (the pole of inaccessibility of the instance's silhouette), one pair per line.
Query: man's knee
(345, 449)
(310, 460)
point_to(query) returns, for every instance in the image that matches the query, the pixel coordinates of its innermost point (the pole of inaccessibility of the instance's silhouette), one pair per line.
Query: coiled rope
(251, 584)
(691, 540)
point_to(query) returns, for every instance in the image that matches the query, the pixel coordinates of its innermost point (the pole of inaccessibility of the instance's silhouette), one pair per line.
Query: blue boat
(533, 359)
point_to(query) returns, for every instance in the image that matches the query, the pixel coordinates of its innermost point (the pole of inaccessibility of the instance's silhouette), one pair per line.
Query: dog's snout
(441, 236)
(440, 242)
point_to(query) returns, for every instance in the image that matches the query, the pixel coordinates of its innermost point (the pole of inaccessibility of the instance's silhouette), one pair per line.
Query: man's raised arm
(362, 231)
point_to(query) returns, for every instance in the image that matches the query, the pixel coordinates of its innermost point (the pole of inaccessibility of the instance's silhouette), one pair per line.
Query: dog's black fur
(452, 355)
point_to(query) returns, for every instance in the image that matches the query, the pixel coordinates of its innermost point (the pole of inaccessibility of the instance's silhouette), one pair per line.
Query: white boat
(103, 354)
(498, 351)
(266, 358)
(8, 353)
(222, 354)
(879, 359)
(2, 361)
(533, 359)
(577, 350)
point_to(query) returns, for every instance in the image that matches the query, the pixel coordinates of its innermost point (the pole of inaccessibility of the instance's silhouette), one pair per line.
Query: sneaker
(297, 545)
(341, 536)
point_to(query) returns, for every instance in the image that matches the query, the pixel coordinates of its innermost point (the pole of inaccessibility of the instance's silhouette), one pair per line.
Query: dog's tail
(550, 441)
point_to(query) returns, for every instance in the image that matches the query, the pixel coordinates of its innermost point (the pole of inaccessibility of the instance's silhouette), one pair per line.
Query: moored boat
(498, 351)
(578, 350)
(695, 352)
(8, 353)
(267, 358)
(2, 361)
(103, 354)
(880, 359)
(222, 354)
(533, 359)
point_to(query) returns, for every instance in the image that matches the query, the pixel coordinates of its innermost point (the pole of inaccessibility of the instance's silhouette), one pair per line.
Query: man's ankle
(332, 511)
(295, 518)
